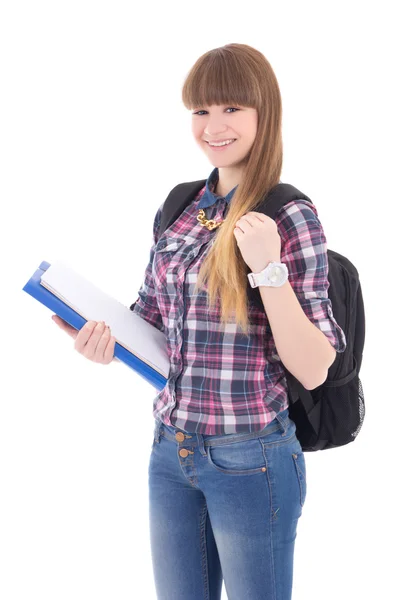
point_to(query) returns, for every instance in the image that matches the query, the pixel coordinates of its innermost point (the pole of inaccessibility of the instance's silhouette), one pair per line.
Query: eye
(230, 108)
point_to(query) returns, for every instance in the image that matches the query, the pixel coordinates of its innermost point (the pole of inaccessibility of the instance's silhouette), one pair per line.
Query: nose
(215, 126)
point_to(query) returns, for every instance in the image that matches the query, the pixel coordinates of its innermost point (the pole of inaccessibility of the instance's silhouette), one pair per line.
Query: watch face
(276, 275)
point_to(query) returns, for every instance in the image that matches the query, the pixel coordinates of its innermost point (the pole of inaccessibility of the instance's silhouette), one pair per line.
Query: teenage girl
(227, 475)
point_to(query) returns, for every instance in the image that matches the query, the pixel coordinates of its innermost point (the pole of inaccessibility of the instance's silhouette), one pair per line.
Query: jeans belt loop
(157, 431)
(200, 441)
(283, 424)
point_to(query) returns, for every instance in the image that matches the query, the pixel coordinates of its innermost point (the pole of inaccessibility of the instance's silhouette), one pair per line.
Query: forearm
(302, 347)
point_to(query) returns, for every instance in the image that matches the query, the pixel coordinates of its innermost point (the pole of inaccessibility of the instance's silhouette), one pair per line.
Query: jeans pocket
(300, 465)
(237, 458)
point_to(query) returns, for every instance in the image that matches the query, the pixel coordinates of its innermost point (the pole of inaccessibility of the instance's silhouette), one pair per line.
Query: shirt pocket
(169, 245)
(168, 258)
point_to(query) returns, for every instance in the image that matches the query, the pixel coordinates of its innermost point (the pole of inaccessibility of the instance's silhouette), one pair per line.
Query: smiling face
(225, 122)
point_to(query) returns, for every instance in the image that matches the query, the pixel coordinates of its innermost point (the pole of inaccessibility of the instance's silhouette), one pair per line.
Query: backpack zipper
(346, 327)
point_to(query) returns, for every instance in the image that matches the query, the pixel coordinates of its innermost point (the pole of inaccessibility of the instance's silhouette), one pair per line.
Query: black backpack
(332, 414)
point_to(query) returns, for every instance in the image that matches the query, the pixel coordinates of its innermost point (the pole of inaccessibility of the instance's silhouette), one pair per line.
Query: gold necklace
(209, 223)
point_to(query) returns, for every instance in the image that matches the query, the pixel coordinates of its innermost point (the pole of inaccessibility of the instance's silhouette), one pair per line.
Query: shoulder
(299, 208)
(297, 214)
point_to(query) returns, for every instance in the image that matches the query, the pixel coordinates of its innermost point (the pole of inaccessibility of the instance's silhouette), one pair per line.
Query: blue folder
(43, 295)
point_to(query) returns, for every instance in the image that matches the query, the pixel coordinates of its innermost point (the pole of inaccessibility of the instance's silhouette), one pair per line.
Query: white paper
(143, 340)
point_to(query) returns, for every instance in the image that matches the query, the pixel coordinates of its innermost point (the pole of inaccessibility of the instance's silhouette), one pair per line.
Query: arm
(146, 306)
(305, 332)
(302, 347)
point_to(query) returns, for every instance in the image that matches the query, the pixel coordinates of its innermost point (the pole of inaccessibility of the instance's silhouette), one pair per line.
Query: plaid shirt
(220, 381)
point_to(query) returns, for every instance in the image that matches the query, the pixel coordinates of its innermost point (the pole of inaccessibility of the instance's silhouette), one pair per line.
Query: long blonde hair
(237, 74)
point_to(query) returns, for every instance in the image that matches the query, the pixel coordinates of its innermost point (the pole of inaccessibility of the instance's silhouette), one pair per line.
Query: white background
(93, 137)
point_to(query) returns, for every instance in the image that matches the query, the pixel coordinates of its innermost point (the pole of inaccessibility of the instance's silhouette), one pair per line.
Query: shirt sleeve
(304, 251)
(146, 306)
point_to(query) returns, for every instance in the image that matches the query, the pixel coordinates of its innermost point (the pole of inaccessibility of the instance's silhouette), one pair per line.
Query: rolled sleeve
(146, 306)
(304, 251)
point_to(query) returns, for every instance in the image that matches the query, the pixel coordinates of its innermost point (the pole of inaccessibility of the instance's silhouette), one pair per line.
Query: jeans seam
(299, 474)
(203, 550)
(271, 526)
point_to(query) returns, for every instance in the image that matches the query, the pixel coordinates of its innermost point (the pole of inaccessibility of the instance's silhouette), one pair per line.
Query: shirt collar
(210, 197)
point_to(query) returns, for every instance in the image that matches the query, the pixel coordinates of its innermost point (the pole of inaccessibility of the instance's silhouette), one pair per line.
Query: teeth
(222, 143)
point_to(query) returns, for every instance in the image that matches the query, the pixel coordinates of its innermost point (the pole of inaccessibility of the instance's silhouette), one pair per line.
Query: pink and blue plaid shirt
(220, 381)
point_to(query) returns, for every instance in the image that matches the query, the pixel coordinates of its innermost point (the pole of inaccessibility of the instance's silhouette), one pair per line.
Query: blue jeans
(225, 507)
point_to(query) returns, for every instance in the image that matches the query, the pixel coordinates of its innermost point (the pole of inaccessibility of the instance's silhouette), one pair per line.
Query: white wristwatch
(274, 275)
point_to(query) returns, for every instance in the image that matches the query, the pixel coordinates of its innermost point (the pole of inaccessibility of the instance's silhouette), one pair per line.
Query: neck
(229, 177)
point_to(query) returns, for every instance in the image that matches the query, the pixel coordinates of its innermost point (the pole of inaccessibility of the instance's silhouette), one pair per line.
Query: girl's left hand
(258, 240)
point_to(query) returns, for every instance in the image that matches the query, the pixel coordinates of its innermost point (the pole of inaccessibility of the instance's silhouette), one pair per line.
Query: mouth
(220, 148)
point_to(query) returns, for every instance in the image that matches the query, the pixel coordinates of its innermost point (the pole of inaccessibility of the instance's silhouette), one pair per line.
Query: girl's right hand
(94, 340)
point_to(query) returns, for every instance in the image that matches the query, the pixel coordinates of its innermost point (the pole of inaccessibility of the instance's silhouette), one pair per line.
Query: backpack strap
(177, 200)
(278, 196)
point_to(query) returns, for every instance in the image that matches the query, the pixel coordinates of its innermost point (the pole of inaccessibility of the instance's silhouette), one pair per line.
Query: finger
(259, 216)
(244, 225)
(65, 326)
(247, 221)
(102, 345)
(269, 225)
(91, 350)
(85, 333)
(59, 321)
(109, 351)
(254, 218)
